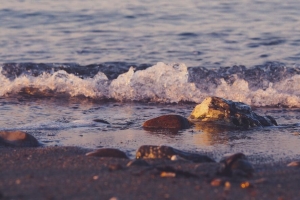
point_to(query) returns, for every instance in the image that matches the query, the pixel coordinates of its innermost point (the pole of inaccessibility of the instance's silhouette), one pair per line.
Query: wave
(272, 84)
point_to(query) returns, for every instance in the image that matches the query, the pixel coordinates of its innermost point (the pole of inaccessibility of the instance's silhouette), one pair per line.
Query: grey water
(197, 33)
(83, 38)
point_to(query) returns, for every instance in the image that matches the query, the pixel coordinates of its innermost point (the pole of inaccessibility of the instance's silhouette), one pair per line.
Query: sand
(66, 173)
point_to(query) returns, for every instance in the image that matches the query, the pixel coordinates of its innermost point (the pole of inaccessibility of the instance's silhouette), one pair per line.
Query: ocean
(89, 73)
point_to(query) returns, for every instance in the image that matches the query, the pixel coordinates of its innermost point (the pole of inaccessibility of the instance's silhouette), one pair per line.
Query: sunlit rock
(236, 165)
(227, 112)
(108, 152)
(166, 152)
(17, 139)
(168, 122)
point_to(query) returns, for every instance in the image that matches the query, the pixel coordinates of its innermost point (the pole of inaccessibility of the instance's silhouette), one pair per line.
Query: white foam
(159, 83)
(59, 82)
(278, 94)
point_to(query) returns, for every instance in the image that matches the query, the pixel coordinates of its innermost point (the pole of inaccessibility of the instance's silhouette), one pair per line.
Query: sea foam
(169, 83)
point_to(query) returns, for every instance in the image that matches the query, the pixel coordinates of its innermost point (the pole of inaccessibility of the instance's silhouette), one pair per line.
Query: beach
(84, 75)
(66, 173)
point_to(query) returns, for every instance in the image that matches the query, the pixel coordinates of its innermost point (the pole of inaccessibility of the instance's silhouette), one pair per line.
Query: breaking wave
(271, 84)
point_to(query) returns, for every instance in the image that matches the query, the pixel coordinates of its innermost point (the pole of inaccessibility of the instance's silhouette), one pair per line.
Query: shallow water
(72, 123)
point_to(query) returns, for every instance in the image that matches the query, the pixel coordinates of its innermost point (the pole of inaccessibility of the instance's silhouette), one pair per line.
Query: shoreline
(66, 173)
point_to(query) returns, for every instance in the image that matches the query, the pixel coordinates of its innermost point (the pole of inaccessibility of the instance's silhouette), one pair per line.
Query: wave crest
(264, 86)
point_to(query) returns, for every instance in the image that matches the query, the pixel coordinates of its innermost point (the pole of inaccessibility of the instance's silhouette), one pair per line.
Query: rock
(138, 162)
(216, 182)
(17, 139)
(167, 122)
(236, 164)
(166, 152)
(226, 112)
(108, 152)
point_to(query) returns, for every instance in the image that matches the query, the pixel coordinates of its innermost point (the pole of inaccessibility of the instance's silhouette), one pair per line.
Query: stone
(108, 152)
(17, 139)
(138, 162)
(167, 122)
(166, 152)
(235, 165)
(226, 112)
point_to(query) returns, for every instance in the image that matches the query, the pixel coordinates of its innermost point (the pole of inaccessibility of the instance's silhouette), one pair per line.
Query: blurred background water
(197, 33)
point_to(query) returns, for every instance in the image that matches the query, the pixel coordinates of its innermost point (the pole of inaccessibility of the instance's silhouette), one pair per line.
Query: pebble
(167, 122)
(17, 139)
(246, 184)
(166, 152)
(236, 164)
(216, 182)
(167, 174)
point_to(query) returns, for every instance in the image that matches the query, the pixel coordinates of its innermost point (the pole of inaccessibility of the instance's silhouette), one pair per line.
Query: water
(66, 65)
(197, 33)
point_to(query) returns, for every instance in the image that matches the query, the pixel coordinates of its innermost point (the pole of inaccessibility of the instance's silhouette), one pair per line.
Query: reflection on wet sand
(204, 133)
(211, 134)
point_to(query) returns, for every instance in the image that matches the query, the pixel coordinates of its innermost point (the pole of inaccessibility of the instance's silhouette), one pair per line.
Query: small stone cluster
(234, 165)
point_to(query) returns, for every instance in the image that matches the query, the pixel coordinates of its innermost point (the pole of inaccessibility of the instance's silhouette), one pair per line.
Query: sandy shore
(66, 173)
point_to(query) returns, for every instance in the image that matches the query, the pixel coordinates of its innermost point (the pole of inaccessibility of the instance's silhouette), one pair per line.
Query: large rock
(17, 139)
(226, 112)
(166, 152)
(167, 122)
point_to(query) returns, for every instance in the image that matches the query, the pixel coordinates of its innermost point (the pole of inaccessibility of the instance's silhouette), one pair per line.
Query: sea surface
(89, 73)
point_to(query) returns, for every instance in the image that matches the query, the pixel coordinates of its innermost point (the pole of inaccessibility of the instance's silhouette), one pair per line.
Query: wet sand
(66, 173)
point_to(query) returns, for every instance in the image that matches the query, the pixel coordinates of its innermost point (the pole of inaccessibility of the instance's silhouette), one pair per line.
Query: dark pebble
(167, 122)
(236, 164)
